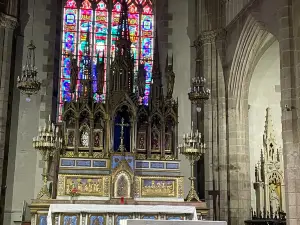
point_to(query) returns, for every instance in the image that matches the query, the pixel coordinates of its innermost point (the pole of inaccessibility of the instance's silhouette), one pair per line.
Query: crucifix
(214, 193)
(122, 125)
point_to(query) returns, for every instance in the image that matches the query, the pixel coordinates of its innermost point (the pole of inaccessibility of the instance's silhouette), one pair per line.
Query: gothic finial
(74, 72)
(100, 73)
(156, 62)
(123, 28)
(170, 75)
(141, 80)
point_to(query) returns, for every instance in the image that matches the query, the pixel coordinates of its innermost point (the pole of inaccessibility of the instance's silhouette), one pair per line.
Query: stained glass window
(93, 16)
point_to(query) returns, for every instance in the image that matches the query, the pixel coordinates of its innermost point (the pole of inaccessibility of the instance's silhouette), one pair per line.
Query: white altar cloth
(93, 208)
(171, 222)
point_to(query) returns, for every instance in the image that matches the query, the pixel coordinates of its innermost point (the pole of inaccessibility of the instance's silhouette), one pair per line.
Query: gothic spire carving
(170, 76)
(156, 86)
(269, 140)
(86, 92)
(122, 68)
(100, 74)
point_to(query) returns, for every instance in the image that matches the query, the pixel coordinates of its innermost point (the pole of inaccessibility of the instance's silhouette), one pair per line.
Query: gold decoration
(157, 186)
(87, 185)
(193, 149)
(96, 155)
(47, 143)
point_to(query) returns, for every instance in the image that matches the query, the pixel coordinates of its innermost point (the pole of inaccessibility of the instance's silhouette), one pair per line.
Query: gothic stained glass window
(93, 16)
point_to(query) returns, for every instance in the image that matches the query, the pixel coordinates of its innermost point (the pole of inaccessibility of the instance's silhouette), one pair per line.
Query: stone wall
(24, 163)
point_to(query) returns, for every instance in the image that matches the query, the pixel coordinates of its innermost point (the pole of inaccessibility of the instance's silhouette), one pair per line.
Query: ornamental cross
(122, 125)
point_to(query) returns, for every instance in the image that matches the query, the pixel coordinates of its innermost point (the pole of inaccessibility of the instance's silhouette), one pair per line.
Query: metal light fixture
(48, 142)
(27, 83)
(192, 148)
(199, 93)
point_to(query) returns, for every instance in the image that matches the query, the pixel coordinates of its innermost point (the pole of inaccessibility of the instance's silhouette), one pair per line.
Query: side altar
(112, 151)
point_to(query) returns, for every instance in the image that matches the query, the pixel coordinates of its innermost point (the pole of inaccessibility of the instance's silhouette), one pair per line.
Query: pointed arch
(251, 45)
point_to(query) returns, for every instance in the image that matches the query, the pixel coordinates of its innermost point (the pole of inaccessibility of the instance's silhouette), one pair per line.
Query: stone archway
(264, 92)
(253, 41)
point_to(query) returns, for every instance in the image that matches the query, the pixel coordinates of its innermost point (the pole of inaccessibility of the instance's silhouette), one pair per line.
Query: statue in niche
(141, 143)
(84, 139)
(155, 141)
(97, 140)
(168, 142)
(274, 198)
(71, 138)
(122, 187)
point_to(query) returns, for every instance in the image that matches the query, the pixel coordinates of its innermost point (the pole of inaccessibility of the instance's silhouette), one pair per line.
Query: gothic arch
(253, 42)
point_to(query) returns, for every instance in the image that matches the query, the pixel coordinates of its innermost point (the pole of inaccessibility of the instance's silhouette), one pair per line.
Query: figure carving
(155, 141)
(71, 138)
(141, 80)
(142, 143)
(274, 198)
(74, 73)
(97, 140)
(170, 76)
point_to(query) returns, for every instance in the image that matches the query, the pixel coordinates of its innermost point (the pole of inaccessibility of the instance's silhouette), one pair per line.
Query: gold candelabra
(192, 148)
(48, 142)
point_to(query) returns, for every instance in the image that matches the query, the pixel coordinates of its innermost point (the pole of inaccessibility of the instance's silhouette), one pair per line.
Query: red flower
(74, 190)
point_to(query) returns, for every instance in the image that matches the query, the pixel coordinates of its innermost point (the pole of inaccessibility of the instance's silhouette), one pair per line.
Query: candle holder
(192, 148)
(47, 143)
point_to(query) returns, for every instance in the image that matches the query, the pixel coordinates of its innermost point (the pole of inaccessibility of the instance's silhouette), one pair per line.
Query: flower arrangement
(74, 192)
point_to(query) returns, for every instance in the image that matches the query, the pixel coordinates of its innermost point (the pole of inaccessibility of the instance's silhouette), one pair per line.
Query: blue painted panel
(97, 220)
(118, 158)
(130, 161)
(121, 218)
(157, 165)
(42, 220)
(83, 163)
(173, 166)
(99, 163)
(142, 164)
(70, 220)
(148, 218)
(67, 162)
(174, 218)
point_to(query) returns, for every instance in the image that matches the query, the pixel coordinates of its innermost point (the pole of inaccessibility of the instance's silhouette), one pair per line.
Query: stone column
(289, 40)
(7, 27)
(213, 123)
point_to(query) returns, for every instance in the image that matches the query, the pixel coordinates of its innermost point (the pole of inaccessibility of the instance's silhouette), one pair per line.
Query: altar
(116, 158)
(74, 214)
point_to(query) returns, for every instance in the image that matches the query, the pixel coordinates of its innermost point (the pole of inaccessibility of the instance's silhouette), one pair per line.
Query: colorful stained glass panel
(78, 22)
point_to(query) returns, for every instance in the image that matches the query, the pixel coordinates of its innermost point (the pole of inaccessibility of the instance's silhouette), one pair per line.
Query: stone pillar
(7, 27)
(289, 40)
(209, 54)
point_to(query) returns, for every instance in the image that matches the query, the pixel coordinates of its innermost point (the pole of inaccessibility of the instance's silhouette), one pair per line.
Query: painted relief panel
(175, 217)
(42, 220)
(69, 220)
(96, 220)
(149, 217)
(118, 218)
(86, 185)
(158, 188)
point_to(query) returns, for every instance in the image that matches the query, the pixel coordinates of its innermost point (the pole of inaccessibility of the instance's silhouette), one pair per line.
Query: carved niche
(122, 178)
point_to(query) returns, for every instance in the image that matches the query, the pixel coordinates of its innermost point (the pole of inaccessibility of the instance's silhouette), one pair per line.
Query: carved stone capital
(8, 21)
(209, 37)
